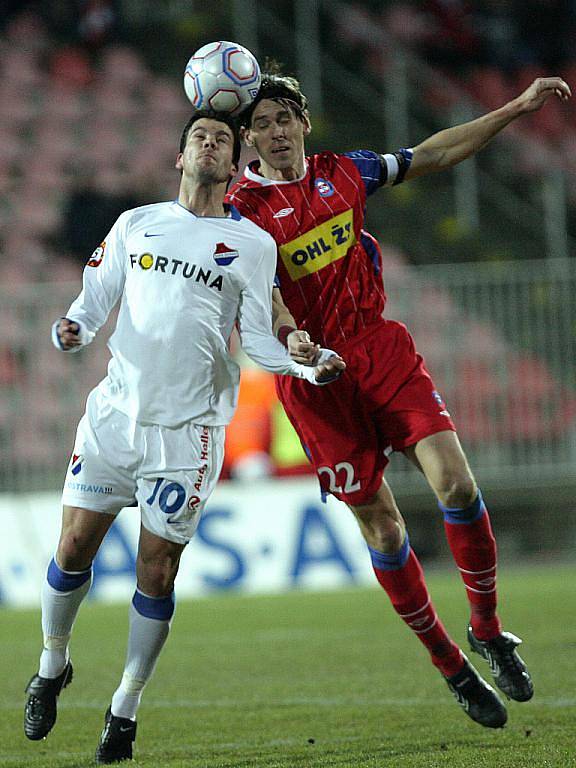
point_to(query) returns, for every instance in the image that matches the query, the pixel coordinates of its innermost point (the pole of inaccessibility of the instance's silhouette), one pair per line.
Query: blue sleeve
(379, 170)
(369, 166)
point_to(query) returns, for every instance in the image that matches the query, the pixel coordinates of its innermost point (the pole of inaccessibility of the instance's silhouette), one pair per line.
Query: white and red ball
(222, 76)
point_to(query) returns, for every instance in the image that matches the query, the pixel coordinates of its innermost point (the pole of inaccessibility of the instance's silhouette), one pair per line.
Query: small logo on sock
(489, 581)
(418, 623)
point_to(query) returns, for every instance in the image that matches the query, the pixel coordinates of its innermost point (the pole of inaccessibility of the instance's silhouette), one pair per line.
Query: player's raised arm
(103, 282)
(452, 145)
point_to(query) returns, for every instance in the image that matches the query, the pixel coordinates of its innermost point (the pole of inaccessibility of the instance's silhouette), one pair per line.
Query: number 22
(349, 486)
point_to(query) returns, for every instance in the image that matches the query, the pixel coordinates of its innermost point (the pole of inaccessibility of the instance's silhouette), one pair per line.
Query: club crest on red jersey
(223, 255)
(325, 188)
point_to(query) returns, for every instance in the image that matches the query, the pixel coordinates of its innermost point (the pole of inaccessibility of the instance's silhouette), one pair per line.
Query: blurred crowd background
(479, 263)
(92, 102)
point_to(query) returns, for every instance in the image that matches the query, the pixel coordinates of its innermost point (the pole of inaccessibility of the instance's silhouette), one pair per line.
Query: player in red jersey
(329, 275)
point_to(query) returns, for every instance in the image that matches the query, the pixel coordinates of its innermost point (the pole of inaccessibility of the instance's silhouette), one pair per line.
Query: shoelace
(474, 689)
(34, 707)
(506, 658)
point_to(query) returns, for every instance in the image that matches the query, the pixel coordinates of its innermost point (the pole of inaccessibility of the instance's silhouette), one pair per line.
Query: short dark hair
(221, 117)
(278, 87)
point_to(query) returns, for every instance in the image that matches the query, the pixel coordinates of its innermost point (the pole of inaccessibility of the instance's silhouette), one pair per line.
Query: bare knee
(380, 522)
(76, 549)
(457, 491)
(80, 538)
(157, 571)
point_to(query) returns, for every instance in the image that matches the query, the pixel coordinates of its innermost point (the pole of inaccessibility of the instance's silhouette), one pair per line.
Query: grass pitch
(324, 679)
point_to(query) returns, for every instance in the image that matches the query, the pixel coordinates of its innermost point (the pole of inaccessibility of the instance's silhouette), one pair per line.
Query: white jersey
(184, 282)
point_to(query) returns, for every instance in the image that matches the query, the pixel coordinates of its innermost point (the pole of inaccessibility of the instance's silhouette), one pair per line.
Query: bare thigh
(444, 464)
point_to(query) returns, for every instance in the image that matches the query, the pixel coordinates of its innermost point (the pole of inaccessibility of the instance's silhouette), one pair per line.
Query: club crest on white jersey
(224, 256)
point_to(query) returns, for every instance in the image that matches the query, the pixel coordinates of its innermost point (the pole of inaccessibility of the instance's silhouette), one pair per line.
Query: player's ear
(246, 136)
(307, 124)
(178, 164)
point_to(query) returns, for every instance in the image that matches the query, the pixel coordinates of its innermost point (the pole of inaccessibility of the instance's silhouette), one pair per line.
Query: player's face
(207, 156)
(277, 134)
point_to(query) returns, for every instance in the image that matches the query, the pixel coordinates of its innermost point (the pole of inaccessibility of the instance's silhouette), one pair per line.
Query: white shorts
(169, 473)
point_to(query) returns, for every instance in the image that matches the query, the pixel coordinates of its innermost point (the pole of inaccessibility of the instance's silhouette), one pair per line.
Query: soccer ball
(222, 76)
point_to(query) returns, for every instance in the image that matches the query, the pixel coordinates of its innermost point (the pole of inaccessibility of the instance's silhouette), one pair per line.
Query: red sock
(474, 549)
(409, 595)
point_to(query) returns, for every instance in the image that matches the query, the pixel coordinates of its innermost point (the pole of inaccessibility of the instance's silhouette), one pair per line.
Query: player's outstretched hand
(329, 368)
(540, 91)
(301, 349)
(68, 334)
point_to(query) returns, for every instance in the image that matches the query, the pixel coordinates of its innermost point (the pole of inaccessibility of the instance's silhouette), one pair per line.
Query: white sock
(146, 639)
(59, 610)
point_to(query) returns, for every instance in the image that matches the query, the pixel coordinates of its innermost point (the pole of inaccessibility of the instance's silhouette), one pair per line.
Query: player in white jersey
(186, 273)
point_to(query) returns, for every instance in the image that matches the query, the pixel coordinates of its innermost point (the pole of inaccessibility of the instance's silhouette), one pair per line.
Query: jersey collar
(231, 212)
(250, 173)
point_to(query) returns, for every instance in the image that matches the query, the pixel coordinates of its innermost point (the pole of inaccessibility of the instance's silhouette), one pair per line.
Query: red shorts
(383, 402)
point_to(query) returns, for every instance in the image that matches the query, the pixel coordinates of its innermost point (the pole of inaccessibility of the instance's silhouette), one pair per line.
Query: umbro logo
(417, 623)
(487, 582)
(283, 212)
(153, 234)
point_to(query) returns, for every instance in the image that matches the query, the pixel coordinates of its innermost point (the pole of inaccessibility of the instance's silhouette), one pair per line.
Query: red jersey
(329, 270)
(330, 274)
